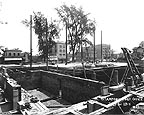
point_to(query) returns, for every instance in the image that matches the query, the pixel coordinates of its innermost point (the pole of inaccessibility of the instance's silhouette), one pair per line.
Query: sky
(121, 21)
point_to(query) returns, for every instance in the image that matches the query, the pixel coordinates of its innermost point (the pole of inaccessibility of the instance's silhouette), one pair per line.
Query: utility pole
(66, 45)
(81, 45)
(81, 49)
(46, 44)
(30, 41)
(94, 44)
(101, 48)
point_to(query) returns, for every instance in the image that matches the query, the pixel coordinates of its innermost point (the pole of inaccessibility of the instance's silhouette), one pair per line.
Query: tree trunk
(73, 55)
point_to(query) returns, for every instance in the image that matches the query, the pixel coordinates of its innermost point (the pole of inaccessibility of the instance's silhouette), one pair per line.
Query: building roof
(13, 50)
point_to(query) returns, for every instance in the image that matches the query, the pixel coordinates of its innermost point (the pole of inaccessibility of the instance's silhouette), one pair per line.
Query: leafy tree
(78, 26)
(46, 32)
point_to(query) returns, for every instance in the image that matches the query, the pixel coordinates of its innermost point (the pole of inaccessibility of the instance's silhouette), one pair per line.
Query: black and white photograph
(71, 57)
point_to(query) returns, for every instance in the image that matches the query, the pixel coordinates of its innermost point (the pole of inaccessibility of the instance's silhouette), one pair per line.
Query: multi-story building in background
(106, 51)
(12, 56)
(58, 52)
(88, 53)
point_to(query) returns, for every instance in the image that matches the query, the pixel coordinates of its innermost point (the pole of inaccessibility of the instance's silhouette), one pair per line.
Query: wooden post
(46, 45)
(81, 49)
(94, 45)
(66, 45)
(101, 48)
(30, 41)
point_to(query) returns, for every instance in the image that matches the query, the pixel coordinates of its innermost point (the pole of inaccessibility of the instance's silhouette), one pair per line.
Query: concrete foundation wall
(28, 80)
(73, 89)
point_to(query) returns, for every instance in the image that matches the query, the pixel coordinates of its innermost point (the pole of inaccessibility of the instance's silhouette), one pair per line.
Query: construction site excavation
(72, 89)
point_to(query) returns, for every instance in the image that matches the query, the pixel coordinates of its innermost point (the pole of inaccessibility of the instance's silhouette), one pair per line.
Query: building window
(14, 54)
(60, 50)
(18, 54)
(63, 50)
(60, 46)
(9, 54)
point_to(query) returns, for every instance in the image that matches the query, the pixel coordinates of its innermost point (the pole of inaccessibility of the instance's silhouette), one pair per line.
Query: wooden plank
(138, 94)
(102, 96)
(74, 108)
(99, 111)
(95, 101)
(139, 88)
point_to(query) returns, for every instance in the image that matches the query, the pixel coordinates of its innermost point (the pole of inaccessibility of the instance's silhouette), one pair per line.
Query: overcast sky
(121, 21)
